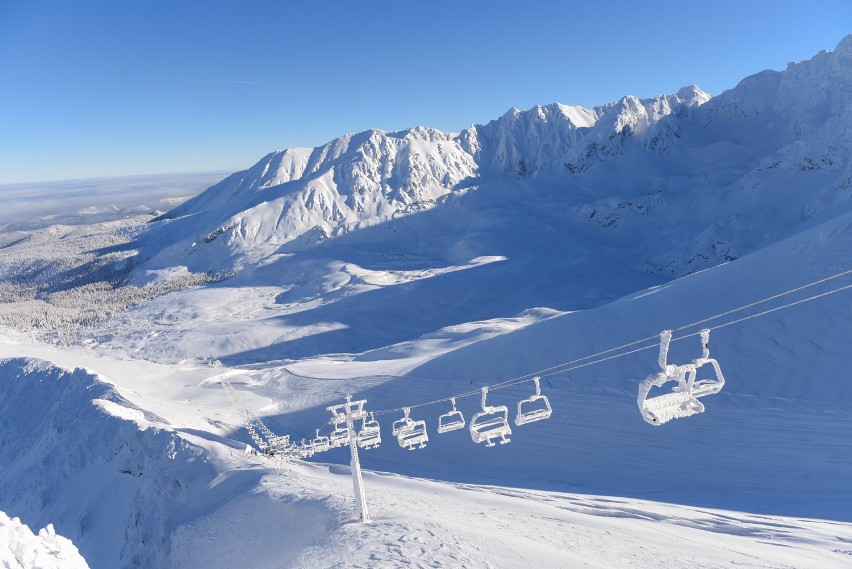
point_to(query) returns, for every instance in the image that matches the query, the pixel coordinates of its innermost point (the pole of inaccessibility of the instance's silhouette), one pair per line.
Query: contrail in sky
(125, 76)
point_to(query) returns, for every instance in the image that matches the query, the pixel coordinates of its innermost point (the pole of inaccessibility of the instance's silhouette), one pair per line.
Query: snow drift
(21, 548)
(71, 445)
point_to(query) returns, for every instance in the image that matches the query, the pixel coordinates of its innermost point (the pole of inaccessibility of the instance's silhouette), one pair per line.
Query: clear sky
(95, 88)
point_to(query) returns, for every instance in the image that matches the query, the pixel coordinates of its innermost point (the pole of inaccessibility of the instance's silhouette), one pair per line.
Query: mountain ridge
(796, 119)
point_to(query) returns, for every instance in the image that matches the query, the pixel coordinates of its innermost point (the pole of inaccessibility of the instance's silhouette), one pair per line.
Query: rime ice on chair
(320, 443)
(534, 408)
(398, 424)
(490, 423)
(305, 450)
(452, 420)
(411, 433)
(339, 436)
(682, 401)
(370, 435)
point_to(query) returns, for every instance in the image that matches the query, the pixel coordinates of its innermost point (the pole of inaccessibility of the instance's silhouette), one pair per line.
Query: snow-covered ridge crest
(354, 181)
(525, 143)
(798, 119)
(71, 441)
(300, 196)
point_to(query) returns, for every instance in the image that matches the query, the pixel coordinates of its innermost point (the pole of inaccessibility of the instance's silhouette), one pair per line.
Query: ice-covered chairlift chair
(320, 443)
(682, 401)
(306, 450)
(412, 433)
(281, 441)
(452, 420)
(370, 435)
(534, 410)
(490, 423)
(339, 436)
(258, 440)
(292, 451)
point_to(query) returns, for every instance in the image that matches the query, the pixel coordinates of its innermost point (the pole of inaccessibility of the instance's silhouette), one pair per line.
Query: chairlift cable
(655, 337)
(650, 338)
(569, 366)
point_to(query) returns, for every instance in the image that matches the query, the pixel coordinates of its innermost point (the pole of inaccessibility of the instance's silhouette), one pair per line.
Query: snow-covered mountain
(297, 198)
(777, 141)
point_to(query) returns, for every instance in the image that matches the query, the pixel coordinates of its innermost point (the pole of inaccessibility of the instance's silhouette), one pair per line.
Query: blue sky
(107, 88)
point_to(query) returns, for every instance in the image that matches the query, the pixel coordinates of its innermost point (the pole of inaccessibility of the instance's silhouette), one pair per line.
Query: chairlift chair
(412, 433)
(339, 437)
(291, 451)
(682, 401)
(282, 440)
(370, 435)
(452, 420)
(261, 444)
(306, 449)
(490, 423)
(264, 429)
(537, 412)
(320, 443)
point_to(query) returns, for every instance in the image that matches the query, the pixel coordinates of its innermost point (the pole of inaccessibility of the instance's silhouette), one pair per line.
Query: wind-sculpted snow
(115, 485)
(20, 548)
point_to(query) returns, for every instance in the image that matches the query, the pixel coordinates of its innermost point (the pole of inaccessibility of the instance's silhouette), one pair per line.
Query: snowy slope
(77, 455)
(774, 441)
(21, 548)
(301, 516)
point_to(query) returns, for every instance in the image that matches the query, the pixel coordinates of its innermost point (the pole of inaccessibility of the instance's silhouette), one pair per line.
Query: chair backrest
(339, 437)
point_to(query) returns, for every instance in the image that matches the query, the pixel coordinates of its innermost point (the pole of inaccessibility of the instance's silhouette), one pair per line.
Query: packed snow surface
(408, 267)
